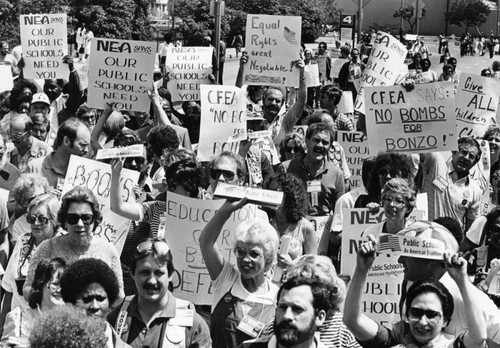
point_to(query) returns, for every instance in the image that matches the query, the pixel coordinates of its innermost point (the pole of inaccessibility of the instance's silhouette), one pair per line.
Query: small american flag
(389, 242)
(290, 36)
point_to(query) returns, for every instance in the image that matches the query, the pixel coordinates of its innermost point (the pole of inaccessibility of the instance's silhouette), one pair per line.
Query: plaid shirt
(38, 149)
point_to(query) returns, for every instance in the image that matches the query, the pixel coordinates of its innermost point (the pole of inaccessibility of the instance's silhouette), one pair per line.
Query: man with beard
(154, 317)
(451, 190)
(325, 181)
(302, 307)
(73, 138)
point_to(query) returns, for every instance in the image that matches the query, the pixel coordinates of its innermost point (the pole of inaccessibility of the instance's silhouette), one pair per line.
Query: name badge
(440, 183)
(252, 327)
(313, 188)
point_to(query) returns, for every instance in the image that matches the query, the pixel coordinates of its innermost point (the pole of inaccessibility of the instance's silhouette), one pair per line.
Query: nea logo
(113, 46)
(34, 20)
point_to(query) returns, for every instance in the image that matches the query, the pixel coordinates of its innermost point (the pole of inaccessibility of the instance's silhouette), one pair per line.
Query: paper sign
(186, 218)
(476, 104)
(321, 61)
(137, 150)
(311, 74)
(188, 68)
(44, 44)
(302, 130)
(346, 103)
(96, 176)
(6, 82)
(411, 122)
(273, 46)
(223, 120)
(336, 66)
(254, 195)
(121, 72)
(424, 248)
(384, 64)
(83, 73)
(356, 151)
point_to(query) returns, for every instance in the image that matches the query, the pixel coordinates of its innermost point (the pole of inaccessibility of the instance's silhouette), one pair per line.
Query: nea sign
(113, 46)
(36, 20)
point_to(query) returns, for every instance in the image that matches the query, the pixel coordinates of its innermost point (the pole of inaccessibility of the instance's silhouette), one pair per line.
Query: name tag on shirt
(440, 183)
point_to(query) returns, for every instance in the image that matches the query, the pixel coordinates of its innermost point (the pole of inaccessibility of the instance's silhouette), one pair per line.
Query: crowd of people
(60, 283)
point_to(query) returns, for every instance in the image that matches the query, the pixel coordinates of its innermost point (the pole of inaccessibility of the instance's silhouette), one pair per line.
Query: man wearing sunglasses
(27, 147)
(154, 317)
(229, 168)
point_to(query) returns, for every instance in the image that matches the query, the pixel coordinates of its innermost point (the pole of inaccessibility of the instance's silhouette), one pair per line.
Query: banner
(44, 43)
(186, 218)
(356, 151)
(121, 72)
(6, 82)
(188, 68)
(96, 176)
(384, 64)
(411, 122)
(476, 104)
(273, 46)
(223, 120)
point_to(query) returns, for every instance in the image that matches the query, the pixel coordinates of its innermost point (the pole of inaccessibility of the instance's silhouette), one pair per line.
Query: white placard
(356, 151)
(137, 150)
(6, 82)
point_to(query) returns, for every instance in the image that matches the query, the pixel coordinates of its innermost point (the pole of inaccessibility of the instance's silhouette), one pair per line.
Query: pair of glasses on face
(386, 171)
(73, 219)
(398, 202)
(17, 136)
(467, 154)
(253, 255)
(42, 220)
(216, 173)
(295, 149)
(417, 313)
(159, 248)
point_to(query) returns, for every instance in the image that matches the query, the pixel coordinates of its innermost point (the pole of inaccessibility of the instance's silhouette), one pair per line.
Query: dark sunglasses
(158, 247)
(295, 149)
(215, 174)
(73, 219)
(40, 218)
(417, 313)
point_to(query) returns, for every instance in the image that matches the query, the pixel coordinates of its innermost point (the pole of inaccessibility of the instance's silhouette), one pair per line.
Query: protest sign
(44, 44)
(346, 103)
(384, 64)
(336, 66)
(96, 176)
(223, 120)
(411, 122)
(186, 218)
(476, 104)
(322, 226)
(311, 74)
(188, 68)
(480, 173)
(423, 248)
(83, 73)
(356, 151)
(322, 63)
(269, 198)
(6, 82)
(137, 150)
(121, 72)
(302, 130)
(273, 46)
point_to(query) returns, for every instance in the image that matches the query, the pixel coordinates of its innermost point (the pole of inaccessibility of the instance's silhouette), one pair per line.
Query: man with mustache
(154, 317)
(302, 307)
(325, 181)
(451, 190)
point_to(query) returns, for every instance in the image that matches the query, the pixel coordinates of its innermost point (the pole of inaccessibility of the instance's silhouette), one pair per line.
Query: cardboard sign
(96, 176)
(121, 72)
(273, 46)
(186, 218)
(188, 68)
(337, 64)
(356, 151)
(322, 63)
(83, 73)
(137, 150)
(423, 248)
(44, 43)
(411, 122)
(302, 130)
(346, 103)
(254, 195)
(6, 82)
(311, 73)
(476, 104)
(223, 120)
(384, 64)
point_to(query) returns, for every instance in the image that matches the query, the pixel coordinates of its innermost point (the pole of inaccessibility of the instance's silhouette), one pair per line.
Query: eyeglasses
(398, 202)
(253, 255)
(73, 219)
(156, 246)
(54, 286)
(17, 136)
(40, 218)
(216, 173)
(386, 171)
(467, 154)
(294, 149)
(417, 313)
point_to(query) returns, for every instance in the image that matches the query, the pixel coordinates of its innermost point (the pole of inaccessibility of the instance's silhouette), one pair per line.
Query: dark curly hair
(321, 291)
(161, 138)
(425, 287)
(45, 271)
(79, 194)
(294, 196)
(186, 173)
(398, 166)
(18, 89)
(81, 273)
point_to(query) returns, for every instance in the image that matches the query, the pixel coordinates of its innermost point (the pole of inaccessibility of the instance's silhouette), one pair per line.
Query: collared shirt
(272, 342)
(38, 149)
(153, 334)
(344, 123)
(46, 167)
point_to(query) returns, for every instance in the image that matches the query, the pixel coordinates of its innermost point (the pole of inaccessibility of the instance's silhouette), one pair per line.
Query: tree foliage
(408, 15)
(471, 13)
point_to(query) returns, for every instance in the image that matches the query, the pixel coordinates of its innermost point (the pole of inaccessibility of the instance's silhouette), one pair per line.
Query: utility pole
(360, 20)
(218, 11)
(417, 16)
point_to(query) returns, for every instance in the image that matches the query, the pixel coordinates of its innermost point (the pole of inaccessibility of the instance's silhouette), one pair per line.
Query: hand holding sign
(366, 254)
(456, 266)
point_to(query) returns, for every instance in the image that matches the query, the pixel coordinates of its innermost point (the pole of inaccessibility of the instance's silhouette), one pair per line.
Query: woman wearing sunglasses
(241, 293)
(429, 307)
(42, 219)
(45, 294)
(80, 215)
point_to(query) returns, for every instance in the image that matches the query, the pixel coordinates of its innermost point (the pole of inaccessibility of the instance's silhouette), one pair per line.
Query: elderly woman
(45, 295)
(42, 217)
(242, 292)
(80, 215)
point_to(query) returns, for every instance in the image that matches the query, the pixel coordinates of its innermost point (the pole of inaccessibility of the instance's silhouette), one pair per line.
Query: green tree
(471, 13)
(408, 15)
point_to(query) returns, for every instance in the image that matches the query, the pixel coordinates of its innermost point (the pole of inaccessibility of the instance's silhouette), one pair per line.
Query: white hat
(40, 98)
